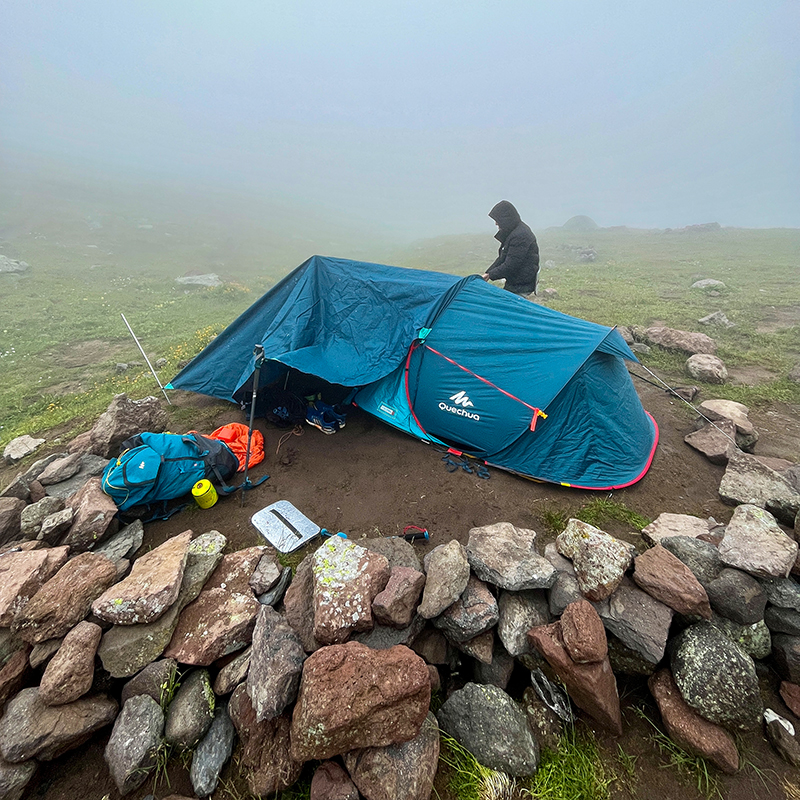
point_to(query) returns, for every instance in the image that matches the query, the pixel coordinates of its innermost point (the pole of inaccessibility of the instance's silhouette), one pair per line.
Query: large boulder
(352, 696)
(707, 368)
(716, 677)
(125, 418)
(506, 556)
(150, 589)
(683, 341)
(30, 729)
(402, 770)
(487, 723)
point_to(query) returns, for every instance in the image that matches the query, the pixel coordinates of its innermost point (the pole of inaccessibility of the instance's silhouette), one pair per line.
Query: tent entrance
(460, 407)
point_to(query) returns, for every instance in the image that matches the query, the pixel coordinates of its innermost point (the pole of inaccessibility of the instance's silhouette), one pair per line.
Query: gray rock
(123, 544)
(10, 266)
(754, 543)
(716, 677)
(707, 368)
(30, 729)
(55, 526)
(233, 673)
(402, 770)
(754, 639)
(276, 663)
(715, 440)
(20, 447)
(707, 283)
(210, 281)
(91, 467)
(786, 653)
(498, 673)
(14, 778)
(638, 620)
(487, 722)
(701, 557)
(32, 516)
(382, 637)
(625, 661)
(131, 750)
(519, 612)
(447, 571)
(265, 575)
(212, 753)
(563, 592)
(682, 341)
(472, 614)
(42, 652)
(155, 680)
(506, 556)
(747, 480)
(737, 596)
(717, 318)
(276, 593)
(398, 552)
(782, 620)
(191, 711)
(60, 470)
(10, 513)
(782, 592)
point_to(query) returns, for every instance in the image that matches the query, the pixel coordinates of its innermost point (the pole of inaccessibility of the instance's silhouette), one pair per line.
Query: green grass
(598, 512)
(575, 772)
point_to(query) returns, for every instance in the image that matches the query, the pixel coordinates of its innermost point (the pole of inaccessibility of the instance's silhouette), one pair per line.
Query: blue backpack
(155, 467)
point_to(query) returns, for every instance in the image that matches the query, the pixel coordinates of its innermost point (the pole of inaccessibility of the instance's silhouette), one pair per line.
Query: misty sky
(418, 116)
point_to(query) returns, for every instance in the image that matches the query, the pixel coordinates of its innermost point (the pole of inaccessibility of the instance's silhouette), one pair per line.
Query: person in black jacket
(518, 258)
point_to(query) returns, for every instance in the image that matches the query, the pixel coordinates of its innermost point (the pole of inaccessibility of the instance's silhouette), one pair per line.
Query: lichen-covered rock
(191, 712)
(473, 613)
(487, 722)
(716, 677)
(755, 639)
(737, 596)
(600, 560)
(518, 613)
(346, 579)
(14, 778)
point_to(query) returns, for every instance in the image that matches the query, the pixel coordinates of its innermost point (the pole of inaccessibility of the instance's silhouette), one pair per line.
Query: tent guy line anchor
(141, 350)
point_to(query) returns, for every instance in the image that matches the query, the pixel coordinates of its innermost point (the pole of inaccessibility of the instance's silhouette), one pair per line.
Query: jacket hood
(506, 216)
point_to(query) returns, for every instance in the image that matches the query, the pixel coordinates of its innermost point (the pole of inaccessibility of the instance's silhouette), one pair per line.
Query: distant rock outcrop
(580, 223)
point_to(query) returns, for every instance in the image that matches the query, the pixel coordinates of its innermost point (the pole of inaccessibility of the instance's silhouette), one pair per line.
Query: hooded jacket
(518, 258)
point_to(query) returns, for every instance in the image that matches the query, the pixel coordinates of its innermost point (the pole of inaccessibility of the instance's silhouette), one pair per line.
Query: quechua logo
(460, 405)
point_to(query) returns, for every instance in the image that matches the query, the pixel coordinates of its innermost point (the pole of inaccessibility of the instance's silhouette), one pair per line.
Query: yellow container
(204, 493)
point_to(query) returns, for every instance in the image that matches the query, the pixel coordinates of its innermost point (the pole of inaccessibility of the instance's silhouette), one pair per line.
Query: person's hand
(485, 276)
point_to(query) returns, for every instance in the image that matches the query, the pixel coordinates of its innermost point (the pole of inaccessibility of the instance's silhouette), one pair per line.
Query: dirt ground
(369, 480)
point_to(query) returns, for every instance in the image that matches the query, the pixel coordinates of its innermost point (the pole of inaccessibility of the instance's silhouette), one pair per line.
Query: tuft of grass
(554, 519)
(627, 765)
(695, 769)
(602, 510)
(575, 772)
(168, 689)
(470, 780)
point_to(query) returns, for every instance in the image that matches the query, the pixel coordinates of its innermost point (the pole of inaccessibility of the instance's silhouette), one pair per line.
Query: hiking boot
(320, 420)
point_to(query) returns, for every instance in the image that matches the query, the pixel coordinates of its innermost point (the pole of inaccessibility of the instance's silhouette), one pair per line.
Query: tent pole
(145, 358)
(258, 352)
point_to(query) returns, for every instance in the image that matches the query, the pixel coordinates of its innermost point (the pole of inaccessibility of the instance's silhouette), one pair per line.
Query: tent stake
(145, 358)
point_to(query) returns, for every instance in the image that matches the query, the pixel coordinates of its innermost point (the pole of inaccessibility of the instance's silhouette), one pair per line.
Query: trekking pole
(145, 358)
(258, 352)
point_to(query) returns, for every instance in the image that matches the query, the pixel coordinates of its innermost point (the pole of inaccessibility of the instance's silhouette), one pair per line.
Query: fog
(414, 118)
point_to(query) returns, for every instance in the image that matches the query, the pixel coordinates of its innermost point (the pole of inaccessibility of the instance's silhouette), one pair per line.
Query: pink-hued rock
(70, 673)
(480, 647)
(94, 516)
(122, 419)
(66, 598)
(790, 692)
(298, 605)
(583, 633)
(331, 782)
(22, 575)
(352, 696)
(665, 577)
(688, 729)
(10, 515)
(221, 620)
(12, 676)
(150, 589)
(347, 579)
(265, 747)
(60, 470)
(397, 604)
(592, 687)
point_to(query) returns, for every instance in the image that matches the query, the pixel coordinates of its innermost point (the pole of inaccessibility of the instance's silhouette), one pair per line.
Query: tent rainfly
(454, 361)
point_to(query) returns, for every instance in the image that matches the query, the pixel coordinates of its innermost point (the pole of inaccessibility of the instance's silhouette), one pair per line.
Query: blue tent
(454, 361)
